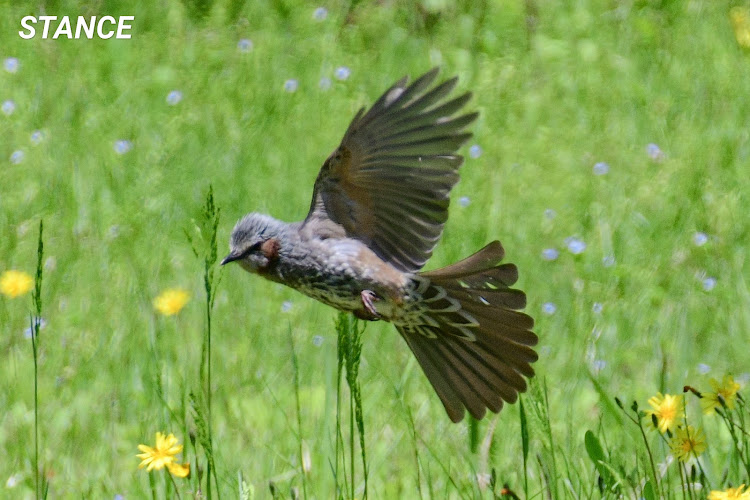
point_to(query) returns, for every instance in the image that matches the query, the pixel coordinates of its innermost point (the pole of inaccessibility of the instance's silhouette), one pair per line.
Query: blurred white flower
(11, 64)
(17, 157)
(550, 254)
(608, 260)
(576, 246)
(317, 341)
(37, 137)
(709, 284)
(174, 97)
(122, 146)
(286, 306)
(597, 307)
(291, 85)
(325, 83)
(8, 107)
(703, 368)
(549, 308)
(601, 168)
(475, 151)
(245, 45)
(342, 73)
(654, 152)
(550, 214)
(464, 201)
(320, 14)
(700, 239)
(13, 480)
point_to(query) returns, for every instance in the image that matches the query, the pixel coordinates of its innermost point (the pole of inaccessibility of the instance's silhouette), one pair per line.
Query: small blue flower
(8, 107)
(598, 365)
(291, 85)
(320, 14)
(286, 306)
(11, 64)
(174, 97)
(550, 214)
(325, 83)
(601, 168)
(39, 321)
(575, 246)
(317, 341)
(549, 308)
(703, 368)
(123, 146)
(597, 307)
(709, 284)
(342, 73)
(654, 152)
(37, 137)
(464, 201)
(245, 45)
(608, 260)
(550, 254)
(17, 157)
(475, 151)
(700, 239)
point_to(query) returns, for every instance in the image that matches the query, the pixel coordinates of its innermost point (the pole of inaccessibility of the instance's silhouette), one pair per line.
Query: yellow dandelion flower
(171, 301)
(687, 442)
(162, 455)
(727, 389)
(730, 494)
(667, 409)
(179, 470)
(740, 17)
(15, 283)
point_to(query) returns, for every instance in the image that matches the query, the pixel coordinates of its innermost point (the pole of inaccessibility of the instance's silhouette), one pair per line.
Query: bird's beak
(230, 258)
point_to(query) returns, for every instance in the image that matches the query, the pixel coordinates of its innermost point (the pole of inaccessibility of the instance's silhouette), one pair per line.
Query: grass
(560, 87)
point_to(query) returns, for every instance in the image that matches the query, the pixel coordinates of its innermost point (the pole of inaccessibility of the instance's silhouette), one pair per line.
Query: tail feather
(472, 344)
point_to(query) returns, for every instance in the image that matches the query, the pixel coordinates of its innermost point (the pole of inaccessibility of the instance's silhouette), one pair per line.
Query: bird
(378, 209)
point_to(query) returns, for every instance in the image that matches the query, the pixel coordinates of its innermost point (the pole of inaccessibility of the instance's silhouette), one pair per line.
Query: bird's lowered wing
(388, 183)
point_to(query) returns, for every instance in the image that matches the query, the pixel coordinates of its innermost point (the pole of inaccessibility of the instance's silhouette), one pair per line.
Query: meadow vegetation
(610, 158)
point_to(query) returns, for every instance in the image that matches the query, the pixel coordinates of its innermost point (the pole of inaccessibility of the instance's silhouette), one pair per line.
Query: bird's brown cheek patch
(270, 249)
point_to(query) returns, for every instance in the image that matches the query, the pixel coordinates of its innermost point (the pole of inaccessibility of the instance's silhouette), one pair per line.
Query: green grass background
(560, 87)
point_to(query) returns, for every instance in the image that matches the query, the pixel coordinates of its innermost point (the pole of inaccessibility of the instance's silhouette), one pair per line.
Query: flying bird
(378, 209)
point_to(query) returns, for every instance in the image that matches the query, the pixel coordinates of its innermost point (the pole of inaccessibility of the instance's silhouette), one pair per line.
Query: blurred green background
(610, 158)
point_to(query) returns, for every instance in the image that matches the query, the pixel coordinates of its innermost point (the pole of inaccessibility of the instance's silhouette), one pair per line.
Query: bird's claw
(369, 312)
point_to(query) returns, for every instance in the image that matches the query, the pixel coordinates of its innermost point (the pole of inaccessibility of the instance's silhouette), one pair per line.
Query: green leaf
(596, 454)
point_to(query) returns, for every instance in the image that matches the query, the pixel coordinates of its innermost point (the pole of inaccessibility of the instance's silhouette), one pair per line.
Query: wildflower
(549, 308)
(17, 157)
(342, 73)
(291, 85)
(597, 307)
(37, 137)
(654, 152)
(325, 83)
(703, 368)
(464, 201)
(171, 301)
(608, 260)
(727, 390)
(550, 254)
(286, 306)
(709, 284)
(174, 97)
(700, 238)
(740, 17)
(8, 107)
(687, 442)
(666, 409)
(601, 168)
(122, 146)
(317, 340)
(11, 64)
(549, 213)
(575, 246)
(730, 494)
(320, 14)
(163, 455)
(475, 151)
(245, 45)
(15, 283)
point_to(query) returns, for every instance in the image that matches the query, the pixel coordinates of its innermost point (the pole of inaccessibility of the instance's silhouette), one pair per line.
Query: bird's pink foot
(369, 312)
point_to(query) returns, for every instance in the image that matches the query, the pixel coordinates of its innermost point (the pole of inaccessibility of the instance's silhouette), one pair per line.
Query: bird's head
(254, 243)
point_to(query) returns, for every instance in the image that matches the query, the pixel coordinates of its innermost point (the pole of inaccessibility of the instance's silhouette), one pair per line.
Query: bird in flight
(378, 209)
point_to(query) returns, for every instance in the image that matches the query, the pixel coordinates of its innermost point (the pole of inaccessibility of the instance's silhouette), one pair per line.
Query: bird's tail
(472, 343)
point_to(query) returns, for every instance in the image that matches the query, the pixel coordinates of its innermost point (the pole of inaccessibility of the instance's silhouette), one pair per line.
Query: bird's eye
(252, 248)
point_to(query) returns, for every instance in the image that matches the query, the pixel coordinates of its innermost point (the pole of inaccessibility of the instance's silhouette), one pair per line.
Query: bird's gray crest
(254, 226)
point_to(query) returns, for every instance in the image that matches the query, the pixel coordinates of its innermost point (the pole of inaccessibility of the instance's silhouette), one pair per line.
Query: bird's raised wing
(388, 183)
